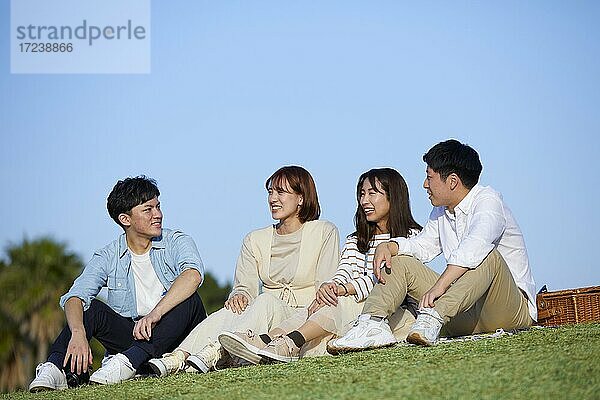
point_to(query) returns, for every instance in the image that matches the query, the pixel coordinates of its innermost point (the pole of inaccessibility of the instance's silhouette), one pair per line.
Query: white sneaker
(48, 377)
(365, 334)
(115, 369)
(168, 364)
(426, 329)
(207, 358)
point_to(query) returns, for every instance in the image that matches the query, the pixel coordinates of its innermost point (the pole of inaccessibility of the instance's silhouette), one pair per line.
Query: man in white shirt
(487, 283)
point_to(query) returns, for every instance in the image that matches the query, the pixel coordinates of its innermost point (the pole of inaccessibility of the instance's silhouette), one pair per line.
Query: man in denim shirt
(151, 274)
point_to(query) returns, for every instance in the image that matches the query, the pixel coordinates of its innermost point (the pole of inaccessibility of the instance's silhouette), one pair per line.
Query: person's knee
(494, 261)
(263, 300)
(95, 305)
(191, 310)
(401, 264)
(194, 301)
(96, 309)
(261, 305)
(404, 260)
(98, 314)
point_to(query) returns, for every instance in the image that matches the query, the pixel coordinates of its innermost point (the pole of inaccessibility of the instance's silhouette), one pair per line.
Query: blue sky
(238, 89)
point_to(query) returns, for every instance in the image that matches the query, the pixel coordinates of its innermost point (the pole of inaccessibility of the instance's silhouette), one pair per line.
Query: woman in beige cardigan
(383, 210)
(278, 271)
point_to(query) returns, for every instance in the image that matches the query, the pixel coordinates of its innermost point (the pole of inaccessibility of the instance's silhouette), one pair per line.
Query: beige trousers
(262, 314)
(484, 299)
(330, 319)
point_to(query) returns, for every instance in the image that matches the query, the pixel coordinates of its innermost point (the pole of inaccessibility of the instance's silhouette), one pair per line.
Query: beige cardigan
(318, 260)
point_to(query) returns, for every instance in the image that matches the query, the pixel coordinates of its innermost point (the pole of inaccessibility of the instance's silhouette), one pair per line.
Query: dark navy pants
(115, 332)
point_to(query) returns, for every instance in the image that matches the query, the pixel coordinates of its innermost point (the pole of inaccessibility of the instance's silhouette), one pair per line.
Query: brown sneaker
(282, 349)
(245, 345)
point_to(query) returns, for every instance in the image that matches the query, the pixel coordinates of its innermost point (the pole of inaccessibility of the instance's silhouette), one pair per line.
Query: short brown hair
(302, 183)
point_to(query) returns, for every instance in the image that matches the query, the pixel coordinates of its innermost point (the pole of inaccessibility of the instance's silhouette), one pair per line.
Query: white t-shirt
(148, 289)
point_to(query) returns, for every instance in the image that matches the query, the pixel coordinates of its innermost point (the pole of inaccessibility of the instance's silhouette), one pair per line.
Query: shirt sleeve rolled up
(426, 245)
(87, 285)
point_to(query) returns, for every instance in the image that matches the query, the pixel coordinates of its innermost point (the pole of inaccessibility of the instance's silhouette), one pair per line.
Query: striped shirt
(357, 268)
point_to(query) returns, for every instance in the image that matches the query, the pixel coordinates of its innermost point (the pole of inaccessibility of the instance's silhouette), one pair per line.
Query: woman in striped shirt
(383, 211)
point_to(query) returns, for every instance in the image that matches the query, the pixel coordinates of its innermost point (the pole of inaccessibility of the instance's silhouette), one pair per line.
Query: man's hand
(79, 352)
(383, 257)
(184, 286)
(237, 303)
(450, 275)
(142, 329)
(78, 349)
(327, 294)
(429, 298)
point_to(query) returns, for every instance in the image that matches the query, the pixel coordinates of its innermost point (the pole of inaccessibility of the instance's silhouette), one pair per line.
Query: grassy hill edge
(553, 362)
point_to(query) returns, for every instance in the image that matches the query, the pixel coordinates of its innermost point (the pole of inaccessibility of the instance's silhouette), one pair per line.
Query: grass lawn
(542, 363)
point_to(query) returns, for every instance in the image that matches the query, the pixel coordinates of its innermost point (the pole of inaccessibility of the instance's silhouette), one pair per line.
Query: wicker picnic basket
(569, 306)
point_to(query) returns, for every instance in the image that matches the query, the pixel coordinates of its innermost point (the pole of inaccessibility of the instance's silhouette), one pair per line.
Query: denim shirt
(171, 254)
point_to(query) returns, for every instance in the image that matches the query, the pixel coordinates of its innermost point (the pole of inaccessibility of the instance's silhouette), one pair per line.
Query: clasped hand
(326, 296)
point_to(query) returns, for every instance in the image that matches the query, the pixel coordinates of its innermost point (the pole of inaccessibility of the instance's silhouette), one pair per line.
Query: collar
(122, 245)
(466, 204)
(157, 243)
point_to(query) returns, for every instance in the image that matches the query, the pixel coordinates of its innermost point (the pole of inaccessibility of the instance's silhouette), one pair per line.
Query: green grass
(544, 363)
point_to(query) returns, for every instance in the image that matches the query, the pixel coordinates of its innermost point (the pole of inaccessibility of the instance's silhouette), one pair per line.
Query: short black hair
(452, 156)
(128, 193)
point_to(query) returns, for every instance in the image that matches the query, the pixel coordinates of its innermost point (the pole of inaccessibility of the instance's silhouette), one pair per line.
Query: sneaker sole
(40, 388)
(416, 338)
(98, 382)
(341, 350)
(239, 348)
(197, 364)
(158, 368)
(277, 357)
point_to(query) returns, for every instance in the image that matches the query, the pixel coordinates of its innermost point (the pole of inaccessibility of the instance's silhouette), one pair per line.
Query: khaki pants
(482, 300)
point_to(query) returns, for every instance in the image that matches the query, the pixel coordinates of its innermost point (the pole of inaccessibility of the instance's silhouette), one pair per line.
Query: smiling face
(144, 220)
(439, 191)
(375, 204)
(283, 201)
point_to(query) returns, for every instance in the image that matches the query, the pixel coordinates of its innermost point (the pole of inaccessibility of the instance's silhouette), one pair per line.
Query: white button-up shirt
(481, 223)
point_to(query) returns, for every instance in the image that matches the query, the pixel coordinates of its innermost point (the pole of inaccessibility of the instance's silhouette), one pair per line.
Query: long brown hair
(400, 220)
(302, 183)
